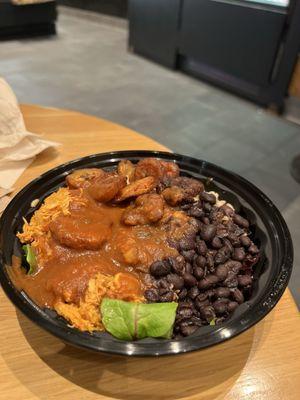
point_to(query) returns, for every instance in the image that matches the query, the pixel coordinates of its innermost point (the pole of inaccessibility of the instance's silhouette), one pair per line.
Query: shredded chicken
(86, 315)
(55, 204)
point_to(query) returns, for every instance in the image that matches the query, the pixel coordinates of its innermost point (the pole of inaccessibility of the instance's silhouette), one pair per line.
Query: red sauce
(113, 247)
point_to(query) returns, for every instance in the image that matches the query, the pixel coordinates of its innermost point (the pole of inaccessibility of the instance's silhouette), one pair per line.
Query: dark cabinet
(239, 40)
(247, 47)
(153, 29)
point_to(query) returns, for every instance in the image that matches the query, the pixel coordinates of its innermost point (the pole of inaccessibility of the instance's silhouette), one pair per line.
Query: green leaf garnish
(213, 322)
(129, 321)
(30, 258)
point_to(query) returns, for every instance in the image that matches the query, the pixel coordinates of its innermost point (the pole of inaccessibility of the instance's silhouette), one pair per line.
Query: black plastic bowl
(269, 230)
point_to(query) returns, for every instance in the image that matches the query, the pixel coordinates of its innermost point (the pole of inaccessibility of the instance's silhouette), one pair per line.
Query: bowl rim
(107, 343)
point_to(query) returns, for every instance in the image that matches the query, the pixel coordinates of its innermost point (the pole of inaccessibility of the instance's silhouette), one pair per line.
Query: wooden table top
(262, 363)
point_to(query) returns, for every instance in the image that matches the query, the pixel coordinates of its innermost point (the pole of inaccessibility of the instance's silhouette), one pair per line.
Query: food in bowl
(140, 251)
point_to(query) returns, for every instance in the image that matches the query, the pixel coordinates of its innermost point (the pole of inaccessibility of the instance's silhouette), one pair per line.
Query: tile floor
(87, 67)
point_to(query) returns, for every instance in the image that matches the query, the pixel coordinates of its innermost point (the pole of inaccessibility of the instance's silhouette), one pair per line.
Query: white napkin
(18, 147)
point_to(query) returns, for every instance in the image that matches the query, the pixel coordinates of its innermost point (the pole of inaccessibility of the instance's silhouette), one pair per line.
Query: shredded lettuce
(30, 258)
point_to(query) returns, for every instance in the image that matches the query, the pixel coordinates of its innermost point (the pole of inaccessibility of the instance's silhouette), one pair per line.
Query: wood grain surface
(262, 363)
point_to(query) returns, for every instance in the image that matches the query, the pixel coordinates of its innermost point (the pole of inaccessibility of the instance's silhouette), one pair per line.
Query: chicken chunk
(182, 189)
(78, 233)
(157, 168)
(137, 188)
(173, 195)
(107, 187)
(126, 168)
(148, 208)
(138, 250)
(83, 177)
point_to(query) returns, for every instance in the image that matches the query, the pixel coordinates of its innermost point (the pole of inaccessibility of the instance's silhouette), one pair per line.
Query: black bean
(216, 243)
(196, 320)
(213, 279)
(222, 255)
(234, 239)
(231, 306)
(239, 254)
(205, 220)
(187, 330)
(208, 232)
(211, 293)
(244, 280)
(177, 264)
(176, 280)
(220, 320)
(231, 280)
(222, 231)
(253, 249)
(187, 243)
(199, 304)
(198, 272)
(199, 261)
(151, 295)
(238, 296)
(204, 284)
(234, 266)
(238, 230)
(220, 307)
(186, 303)
(193, 292)
(210, 260)
(245, 241)
(186, 206)
(222, 292)
(202, 296)
(159, 268)
(240, 221)
(221, 272)
(198, 224)
(207, 207)
(228, 245)
(224, 299)
(188, 268)
(163, 290)
(185, 313)
(201, 248)
(189, 280)
(208, 197)
(196, 211)
(188, 254)
(182, 294)
(250, 260)
(167, 297)
(207, 313)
